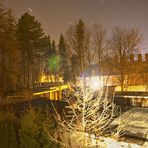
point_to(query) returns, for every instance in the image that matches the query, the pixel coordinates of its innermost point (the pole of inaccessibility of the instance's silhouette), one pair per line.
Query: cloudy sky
(56, 15)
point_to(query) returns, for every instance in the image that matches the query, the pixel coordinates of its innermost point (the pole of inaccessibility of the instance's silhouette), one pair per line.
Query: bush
(32, 133)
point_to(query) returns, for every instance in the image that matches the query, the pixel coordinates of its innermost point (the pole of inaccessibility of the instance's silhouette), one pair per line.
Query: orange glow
(43, 78)
(50, 78)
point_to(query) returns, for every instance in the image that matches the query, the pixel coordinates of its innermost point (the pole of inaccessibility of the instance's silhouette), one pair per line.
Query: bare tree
(122, 43)
(89, 51)
(99, 41)
(87, 114)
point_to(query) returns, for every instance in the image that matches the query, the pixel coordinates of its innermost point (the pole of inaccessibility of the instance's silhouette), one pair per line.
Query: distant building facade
(136, 78)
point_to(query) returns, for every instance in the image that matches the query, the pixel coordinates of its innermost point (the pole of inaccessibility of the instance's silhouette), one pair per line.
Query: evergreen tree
(30, 35)
(53, 62)
(80, 39)
(53, 48)
(42, 57)
(62, 46)
(76, 38)
(64, 67)
(9, 51)
(47, 46)
(74, 67)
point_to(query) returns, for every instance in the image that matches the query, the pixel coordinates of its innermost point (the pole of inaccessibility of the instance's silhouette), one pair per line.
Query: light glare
(95, 83)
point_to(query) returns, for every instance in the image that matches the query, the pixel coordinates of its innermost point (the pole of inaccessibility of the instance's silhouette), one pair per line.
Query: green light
(54, 63)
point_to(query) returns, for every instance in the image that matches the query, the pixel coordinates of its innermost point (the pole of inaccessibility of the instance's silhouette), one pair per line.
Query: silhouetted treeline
(26, 52)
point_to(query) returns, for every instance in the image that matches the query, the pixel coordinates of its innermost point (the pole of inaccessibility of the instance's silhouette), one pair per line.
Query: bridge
(50, 92)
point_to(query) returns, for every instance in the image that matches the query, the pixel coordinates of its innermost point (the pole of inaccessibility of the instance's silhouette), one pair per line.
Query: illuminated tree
(87, 113)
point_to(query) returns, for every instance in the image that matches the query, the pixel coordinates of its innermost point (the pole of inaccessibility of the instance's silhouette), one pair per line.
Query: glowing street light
(95, 83)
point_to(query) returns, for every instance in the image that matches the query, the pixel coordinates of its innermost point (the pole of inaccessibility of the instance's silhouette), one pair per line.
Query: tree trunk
(122, 82)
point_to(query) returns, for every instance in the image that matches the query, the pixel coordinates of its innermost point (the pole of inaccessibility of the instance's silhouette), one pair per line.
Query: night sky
(56, 15)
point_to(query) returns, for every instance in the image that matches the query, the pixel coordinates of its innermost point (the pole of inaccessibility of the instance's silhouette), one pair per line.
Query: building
(135, 78)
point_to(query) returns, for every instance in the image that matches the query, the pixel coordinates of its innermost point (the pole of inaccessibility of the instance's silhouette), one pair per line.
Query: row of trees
(93, 46)
(26, 52)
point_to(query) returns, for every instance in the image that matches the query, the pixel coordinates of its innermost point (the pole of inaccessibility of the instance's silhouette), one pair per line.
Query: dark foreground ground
(134, 119)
